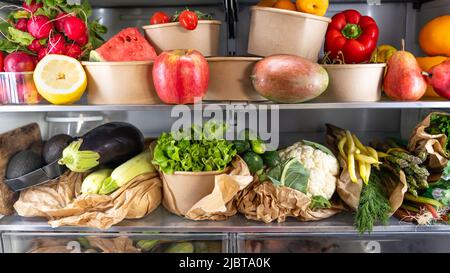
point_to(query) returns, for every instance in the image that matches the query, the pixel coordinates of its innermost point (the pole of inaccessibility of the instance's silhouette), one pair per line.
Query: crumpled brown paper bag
(60, 201)
(220, 204)
(434, 145)
(114, 245)
(350, 192)
(267, 202)
(11, 143)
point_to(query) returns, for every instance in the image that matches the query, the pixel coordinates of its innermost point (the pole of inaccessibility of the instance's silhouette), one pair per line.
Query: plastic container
(278, 31)
(230, 79)
(205, 38)
(73, 124)
(120, 83)
(18, 88)
(182, 190)
(354, 82)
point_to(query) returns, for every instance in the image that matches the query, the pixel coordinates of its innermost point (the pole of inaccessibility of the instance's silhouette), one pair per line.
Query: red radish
(39, 26)
(83, 40)
(56, 44)
(22, 24)
(2, 56)
(35, 46)
(42, 53)
(33, 7)
(73, 50)
(74, 27)
(59, 21)
(19, 62)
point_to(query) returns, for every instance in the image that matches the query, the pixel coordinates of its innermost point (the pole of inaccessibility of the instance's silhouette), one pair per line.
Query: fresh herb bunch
(440, 124)
(194, 150)
(373, 205)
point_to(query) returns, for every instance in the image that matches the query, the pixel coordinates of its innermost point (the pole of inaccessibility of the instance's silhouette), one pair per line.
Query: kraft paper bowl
(120, 83)
(182, 190)
(354, 82)
(205, 38)
(230, 79)
(278, 31)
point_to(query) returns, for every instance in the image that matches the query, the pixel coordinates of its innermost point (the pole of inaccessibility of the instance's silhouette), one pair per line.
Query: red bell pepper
(352, 35)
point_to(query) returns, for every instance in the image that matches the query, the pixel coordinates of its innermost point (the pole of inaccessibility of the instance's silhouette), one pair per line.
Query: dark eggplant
(109, 144)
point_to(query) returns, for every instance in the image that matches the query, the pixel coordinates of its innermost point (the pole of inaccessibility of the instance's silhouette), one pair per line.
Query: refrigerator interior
(395, 18)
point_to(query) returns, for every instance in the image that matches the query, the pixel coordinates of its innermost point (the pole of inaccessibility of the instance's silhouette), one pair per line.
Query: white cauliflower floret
(324, 168)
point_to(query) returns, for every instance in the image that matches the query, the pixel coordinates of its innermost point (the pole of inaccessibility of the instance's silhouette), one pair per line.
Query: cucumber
(271, 158)
(241, 146)
(254, 162)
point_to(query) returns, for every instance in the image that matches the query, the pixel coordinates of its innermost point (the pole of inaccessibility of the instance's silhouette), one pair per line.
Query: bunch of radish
(65, 34)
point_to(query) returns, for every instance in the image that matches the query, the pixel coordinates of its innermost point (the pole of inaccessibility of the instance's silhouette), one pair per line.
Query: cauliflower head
(324, 168)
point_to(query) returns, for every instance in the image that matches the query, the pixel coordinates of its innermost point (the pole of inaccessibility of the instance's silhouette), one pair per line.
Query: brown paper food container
(205, 38)
(353, 82)
(11, 143)
(277, 31)
(212, 196)
(230, 79)
(62, 203)
(183, 189)
(267, 202)
(120, 83)
(434, 145)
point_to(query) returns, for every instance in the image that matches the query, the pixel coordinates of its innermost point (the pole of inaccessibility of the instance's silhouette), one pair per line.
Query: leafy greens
(440, 124)
(194, 150)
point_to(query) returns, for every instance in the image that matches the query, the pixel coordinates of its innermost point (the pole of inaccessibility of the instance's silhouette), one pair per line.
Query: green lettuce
(194, 150)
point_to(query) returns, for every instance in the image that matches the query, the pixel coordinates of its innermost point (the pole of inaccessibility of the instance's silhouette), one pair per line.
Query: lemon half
(60, 79)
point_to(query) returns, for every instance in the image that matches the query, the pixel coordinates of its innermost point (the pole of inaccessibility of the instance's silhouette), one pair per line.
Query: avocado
(54, 147)
(23, 163)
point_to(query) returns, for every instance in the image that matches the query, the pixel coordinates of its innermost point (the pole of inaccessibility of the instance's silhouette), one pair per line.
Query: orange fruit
(285, 4)
(266, 3)
(316, 7)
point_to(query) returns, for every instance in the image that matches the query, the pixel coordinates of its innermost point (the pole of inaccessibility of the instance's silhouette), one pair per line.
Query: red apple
(19, 62)
(181, 76)
(439, 79)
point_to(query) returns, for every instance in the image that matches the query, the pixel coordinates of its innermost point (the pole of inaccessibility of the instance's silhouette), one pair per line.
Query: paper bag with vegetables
(430, 140)
(296, 182)
(104, 197)
(11, 143)
(365, 185)
(200, 171)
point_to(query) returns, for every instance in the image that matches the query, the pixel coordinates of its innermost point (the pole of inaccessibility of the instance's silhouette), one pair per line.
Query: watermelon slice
(127, 45)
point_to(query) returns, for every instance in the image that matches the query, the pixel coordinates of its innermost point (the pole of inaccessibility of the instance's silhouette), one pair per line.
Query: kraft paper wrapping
(218, 203)
(350, 192)
(267, 202)
(62, 204)
(434, 145)
(11, 143)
